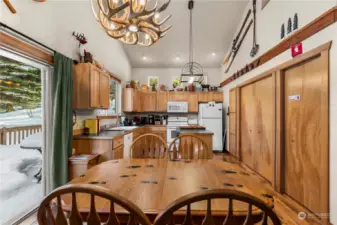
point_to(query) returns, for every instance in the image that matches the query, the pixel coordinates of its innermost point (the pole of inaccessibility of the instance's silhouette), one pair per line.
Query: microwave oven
(177, 107)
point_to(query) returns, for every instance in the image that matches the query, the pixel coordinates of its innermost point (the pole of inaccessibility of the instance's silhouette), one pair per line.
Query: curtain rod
(27, 37)
(31, 39)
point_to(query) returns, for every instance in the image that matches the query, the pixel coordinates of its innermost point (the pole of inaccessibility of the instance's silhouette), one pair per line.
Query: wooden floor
(286, 214)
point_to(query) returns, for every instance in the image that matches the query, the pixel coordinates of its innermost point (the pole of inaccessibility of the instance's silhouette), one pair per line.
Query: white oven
(172, 125)
(177, 107)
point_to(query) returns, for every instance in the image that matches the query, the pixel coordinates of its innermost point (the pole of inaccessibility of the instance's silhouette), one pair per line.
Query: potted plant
(153, 83)
(176, 83)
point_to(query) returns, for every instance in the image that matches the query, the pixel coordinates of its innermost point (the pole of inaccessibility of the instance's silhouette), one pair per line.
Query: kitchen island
(203, 134)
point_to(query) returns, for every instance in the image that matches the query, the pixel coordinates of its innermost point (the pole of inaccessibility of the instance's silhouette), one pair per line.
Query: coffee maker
(151, 119)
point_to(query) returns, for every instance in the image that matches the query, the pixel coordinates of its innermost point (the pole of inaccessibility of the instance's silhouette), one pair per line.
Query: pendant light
(130, 21)
(192, 71)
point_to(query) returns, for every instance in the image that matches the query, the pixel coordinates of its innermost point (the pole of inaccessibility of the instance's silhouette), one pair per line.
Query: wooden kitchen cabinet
(91, 87)
(162, 99)
(216, 96)
(178, 96)
(149, 101)
(104, 92)
(131, 100)
(193, 102)
(203, 97)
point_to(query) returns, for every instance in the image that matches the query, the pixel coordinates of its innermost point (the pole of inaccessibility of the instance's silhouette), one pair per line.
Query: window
(113, 98)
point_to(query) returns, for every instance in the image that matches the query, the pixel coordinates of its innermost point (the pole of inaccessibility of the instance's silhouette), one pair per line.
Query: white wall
(268, 35)
(166, 75)
(52, 23)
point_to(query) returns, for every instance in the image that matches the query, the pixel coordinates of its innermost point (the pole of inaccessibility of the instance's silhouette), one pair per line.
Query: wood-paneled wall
(282, 129)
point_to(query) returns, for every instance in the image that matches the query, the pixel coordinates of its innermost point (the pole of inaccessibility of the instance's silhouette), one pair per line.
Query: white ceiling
(214, 24)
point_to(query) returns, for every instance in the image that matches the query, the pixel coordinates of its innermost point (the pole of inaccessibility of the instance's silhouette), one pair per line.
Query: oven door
(171, 134)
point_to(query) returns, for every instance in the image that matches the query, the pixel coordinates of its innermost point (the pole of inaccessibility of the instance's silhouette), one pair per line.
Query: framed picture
(152, 81)
(264, 3)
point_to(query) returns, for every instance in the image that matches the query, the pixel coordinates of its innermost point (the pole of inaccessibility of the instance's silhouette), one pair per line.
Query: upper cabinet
(162, 99)
(149, 101)
(91, 87)
(137, 101)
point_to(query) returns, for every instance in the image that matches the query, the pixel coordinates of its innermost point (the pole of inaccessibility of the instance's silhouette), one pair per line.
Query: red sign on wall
(296, 49)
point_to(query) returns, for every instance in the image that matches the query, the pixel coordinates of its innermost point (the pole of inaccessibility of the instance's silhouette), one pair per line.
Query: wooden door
(232, 123)
(104, 93)
(204, 96)
(264, 127)
(178, 97)
(247, 129)
(94, 87)
(192, 102)
(306, 133)
(149, 101)
(216, 96)
(162, 99)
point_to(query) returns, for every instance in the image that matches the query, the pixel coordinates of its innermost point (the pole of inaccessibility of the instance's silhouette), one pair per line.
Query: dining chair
(188, 146)
(166, 216)
(148, 146)
(51, 211)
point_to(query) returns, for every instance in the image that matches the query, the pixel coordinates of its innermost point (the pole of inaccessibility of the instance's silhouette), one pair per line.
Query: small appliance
(92, 125)
(173, 123)
(157, 120)
(177, 107)
(211, 117)
(144, 120)
(151, 119)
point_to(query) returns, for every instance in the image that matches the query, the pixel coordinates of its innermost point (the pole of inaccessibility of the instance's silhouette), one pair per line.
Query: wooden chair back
(166, 216)
(148, 146)
(54, 214)
(188, 146)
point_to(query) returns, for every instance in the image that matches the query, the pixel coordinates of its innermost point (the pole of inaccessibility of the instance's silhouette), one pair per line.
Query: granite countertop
(195, 131)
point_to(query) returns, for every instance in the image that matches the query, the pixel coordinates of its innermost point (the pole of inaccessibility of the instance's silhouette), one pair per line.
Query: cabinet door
(127, 102)
(137, 101)
(178, 97)
(104, 84)
(162, 99)
(149, 100)
(118, 153)
(232, 101)
(94, 87)
(204, 96)
(192, 102)
(81, 86)
(216, 96)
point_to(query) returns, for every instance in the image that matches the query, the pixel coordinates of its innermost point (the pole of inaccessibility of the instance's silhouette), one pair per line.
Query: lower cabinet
(118, 153)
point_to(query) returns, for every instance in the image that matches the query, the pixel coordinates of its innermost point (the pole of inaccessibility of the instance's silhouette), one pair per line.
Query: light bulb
(133, 28)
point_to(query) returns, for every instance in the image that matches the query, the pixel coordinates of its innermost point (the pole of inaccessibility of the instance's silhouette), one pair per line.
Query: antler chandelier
(192, 71)
(130, 22)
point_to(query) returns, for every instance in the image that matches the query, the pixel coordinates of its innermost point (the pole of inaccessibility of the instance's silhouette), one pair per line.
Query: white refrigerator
(211, 117)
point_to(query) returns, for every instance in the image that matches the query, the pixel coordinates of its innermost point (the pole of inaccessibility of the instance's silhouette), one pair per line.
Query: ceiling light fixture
(144, 57)
(192, 71)
(177, 58)
(130, 22)
(213, 54)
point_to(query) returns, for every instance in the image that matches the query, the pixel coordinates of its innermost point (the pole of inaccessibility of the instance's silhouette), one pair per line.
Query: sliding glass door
(25, 109)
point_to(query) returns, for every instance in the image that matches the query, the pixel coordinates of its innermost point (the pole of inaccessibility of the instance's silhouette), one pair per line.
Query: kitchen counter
(109, 134)
(196, 131)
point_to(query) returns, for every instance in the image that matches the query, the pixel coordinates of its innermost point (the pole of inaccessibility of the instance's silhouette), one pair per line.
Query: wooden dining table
(152, 184)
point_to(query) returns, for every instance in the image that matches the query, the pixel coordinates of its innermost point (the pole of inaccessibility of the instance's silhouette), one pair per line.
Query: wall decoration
(10, 6)
(235, 41)
(283, 31)
(295, 22)
(152, 81)
(290, 26)
(256, 47)
(239, 46)
(264, 3)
